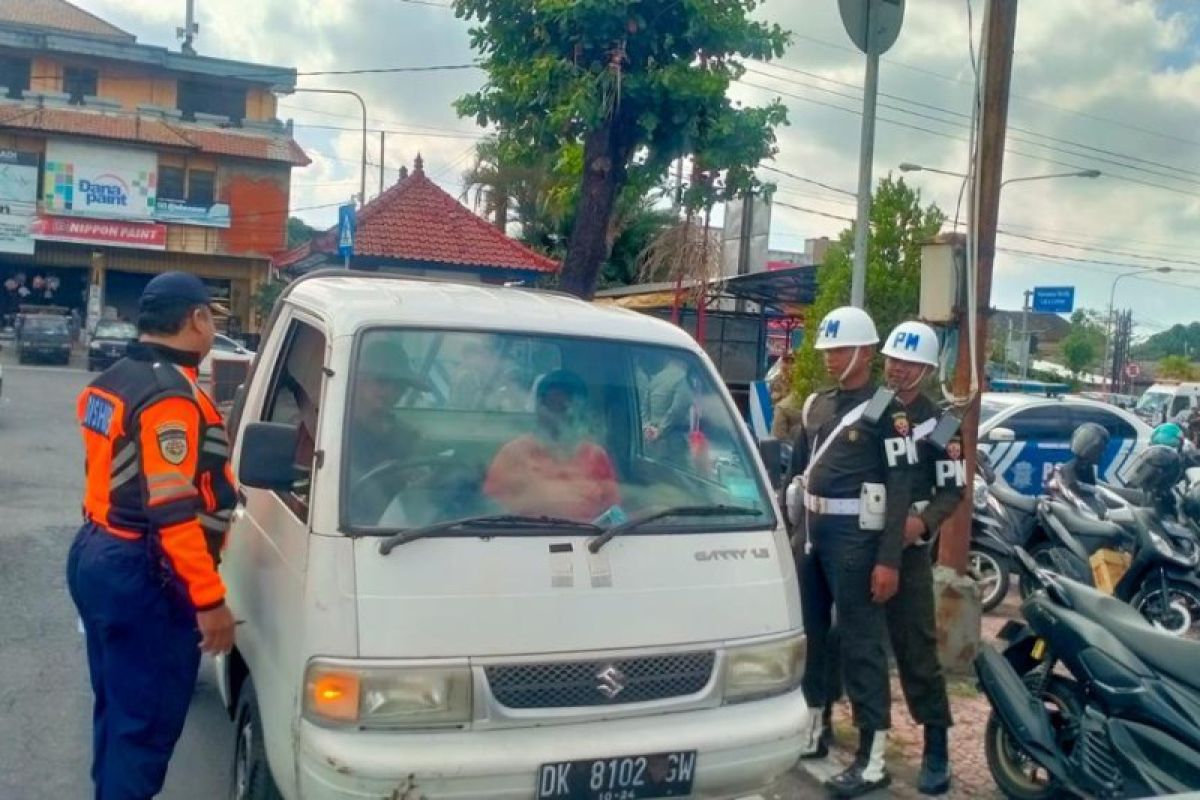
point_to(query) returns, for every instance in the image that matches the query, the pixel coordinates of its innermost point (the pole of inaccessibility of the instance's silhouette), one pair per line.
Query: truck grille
(574, 684)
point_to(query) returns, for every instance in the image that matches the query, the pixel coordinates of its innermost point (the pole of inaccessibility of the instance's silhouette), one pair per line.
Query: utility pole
(999, 34)
(1024, 327)
(866, 158)
(382, 157)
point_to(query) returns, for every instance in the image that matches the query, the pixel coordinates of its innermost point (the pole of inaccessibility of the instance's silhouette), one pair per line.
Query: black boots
(935, 764)
(868, 772)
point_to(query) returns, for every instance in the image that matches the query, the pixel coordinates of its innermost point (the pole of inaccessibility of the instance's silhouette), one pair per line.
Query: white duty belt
(832, 506)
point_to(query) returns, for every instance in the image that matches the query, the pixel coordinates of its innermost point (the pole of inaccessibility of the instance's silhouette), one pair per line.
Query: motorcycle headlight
(763, 670)
(980, 493)
(343, 693)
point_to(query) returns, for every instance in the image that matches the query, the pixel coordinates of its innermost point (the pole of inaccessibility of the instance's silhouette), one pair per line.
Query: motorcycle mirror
(1001, 435)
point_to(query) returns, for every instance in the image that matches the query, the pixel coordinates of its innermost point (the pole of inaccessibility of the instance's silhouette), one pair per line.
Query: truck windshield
(1153, 402)
(446, 425)
(46, 325)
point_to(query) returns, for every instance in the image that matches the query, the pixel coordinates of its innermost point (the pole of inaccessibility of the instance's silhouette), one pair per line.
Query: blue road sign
(346, 227)
(1054, 299)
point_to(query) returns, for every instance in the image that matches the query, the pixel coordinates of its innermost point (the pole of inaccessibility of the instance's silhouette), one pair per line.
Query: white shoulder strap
(852, 416)
(808, 401)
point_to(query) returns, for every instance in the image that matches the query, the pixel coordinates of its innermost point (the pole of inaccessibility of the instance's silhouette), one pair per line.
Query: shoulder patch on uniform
(172, 441)
(98, 414)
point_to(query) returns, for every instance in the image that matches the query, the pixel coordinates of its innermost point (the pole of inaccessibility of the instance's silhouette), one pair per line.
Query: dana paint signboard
(113, 233)
(18, 200)
(84, 180)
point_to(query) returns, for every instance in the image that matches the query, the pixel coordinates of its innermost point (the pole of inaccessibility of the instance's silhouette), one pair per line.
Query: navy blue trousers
(143, 655)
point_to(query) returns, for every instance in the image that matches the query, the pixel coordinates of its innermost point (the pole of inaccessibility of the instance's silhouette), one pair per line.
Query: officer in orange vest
(142, 570)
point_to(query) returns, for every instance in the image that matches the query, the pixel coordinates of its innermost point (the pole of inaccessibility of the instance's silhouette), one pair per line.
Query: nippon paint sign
(83, 180)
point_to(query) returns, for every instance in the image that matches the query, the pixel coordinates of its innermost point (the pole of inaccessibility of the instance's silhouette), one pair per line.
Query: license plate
(1039, 649)
(621, 778)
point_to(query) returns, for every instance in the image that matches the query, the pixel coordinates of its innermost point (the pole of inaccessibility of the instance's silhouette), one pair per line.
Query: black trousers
(836, 573)
(912, 631)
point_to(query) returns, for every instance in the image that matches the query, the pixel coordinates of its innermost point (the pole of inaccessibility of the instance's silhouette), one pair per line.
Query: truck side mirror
(268, 459)
(770, 450)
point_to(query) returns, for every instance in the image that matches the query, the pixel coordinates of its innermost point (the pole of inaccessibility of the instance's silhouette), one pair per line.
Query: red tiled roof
(149, 130)
(415, 220)
(58, 15)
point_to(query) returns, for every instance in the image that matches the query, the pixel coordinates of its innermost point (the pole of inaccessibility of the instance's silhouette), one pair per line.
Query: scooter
(1002, 519)
(1088, 698)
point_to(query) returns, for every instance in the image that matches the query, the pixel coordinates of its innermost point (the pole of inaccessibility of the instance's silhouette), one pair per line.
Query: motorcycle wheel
(991, 573)
(1179, 616)
(1040, 553)
(1017, 775)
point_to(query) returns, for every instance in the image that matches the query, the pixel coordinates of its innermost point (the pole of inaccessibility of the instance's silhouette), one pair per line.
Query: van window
(446, 424)
(1182, 402)
(294, 398)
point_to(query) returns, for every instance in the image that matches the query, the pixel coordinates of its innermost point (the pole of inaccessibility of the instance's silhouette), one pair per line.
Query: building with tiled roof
(417, 228)
(119, 160)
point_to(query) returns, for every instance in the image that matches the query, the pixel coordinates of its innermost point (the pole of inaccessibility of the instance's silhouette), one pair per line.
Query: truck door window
(295, 397)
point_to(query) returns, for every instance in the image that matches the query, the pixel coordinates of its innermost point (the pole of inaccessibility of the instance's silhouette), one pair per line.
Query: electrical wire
(793, 176)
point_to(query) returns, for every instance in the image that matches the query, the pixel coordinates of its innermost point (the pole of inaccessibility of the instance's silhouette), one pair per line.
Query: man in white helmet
(849, 505)
(910, 356)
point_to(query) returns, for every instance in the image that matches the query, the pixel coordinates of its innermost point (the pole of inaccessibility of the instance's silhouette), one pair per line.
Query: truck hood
(447, 597)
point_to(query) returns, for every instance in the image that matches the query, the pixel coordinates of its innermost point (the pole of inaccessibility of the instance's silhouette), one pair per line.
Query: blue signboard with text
(1054, 299)
(346, 227)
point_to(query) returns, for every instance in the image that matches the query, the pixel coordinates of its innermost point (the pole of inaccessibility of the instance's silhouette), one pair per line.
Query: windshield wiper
(675, 511)
(483, 521)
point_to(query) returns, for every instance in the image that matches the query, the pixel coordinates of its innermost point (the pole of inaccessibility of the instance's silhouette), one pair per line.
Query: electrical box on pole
(942, 273)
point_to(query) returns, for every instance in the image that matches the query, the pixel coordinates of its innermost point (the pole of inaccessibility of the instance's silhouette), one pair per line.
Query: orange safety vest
(157, 463)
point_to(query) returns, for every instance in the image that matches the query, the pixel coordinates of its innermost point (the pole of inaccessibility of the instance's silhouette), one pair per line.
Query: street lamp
(908, 166)
(362, 184)
(1112, 296)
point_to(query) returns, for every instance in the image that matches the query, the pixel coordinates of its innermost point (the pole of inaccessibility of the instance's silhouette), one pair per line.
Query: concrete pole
(866, 157)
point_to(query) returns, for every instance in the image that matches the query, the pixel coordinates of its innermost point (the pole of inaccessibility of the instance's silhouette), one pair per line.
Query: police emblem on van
(172, 442)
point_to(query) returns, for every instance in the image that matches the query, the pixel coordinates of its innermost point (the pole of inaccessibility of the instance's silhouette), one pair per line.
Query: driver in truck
(384, 376)
(555, 471)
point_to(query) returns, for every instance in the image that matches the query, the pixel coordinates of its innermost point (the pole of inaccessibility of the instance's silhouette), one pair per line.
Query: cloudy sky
(1112, 85)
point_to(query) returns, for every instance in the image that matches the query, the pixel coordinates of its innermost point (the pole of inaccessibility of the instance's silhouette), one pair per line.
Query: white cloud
(1121, 76)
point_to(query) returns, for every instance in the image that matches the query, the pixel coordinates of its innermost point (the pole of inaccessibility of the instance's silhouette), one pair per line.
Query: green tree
(899, 225)
(1083, 346)
(619, 89)
(298, 232)
(1178, 340)
(1177, 368)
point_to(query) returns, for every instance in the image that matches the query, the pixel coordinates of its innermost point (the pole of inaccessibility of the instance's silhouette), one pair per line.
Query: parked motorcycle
(1003, 518)
(1088, 698)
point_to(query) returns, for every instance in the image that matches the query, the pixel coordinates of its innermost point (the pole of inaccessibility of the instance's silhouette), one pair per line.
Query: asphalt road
(45, 699)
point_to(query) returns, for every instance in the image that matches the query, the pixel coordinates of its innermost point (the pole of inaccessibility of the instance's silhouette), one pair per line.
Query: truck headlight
(342, 693)
(94, 346)
(763, 670)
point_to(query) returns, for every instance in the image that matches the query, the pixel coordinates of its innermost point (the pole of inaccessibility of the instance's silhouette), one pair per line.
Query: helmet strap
(917, 381)
(850, 367)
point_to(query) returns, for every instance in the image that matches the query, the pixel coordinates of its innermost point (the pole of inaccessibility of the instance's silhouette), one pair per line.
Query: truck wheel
(251, 774)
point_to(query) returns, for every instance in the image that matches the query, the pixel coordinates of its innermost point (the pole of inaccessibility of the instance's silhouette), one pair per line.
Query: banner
(180, 213)
(86, 180)
(144, 235)
(18, 200)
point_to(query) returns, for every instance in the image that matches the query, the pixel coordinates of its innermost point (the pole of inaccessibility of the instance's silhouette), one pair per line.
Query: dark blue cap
(173, 289)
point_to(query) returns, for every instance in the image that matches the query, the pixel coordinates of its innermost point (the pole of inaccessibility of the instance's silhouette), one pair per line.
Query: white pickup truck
(500, 543)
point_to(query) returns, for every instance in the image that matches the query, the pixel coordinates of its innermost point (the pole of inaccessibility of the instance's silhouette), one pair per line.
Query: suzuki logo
(610, 681)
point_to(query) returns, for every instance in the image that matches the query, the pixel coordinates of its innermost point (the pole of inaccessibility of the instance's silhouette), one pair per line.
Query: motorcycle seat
(1134, 496)
(1082, 525)
(1163, 652)
(1014, 499)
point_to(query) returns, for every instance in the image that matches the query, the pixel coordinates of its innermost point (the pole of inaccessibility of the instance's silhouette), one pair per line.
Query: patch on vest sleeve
(172, 442)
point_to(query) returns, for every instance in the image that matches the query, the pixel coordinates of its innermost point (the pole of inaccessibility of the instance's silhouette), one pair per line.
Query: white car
(224, 349)
(426, 611)
(1026, 436)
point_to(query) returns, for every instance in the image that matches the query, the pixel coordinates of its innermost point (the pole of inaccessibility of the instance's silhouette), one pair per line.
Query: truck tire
(251, 776)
